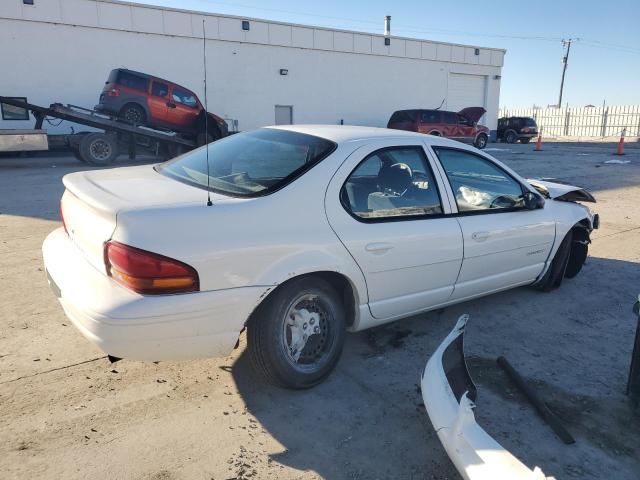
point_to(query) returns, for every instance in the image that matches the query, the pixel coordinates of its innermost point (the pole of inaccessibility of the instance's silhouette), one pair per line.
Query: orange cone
(539, 142)
(620, 150)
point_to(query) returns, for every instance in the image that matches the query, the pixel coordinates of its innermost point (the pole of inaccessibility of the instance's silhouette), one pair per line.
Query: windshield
(249, 164)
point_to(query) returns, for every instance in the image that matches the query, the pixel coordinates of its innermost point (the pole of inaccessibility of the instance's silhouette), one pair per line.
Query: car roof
(349, 133)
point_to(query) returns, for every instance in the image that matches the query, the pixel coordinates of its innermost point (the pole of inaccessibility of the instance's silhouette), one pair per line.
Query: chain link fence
(582, 122)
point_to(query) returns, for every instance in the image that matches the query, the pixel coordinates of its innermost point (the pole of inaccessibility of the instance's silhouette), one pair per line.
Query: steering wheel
(503, 201)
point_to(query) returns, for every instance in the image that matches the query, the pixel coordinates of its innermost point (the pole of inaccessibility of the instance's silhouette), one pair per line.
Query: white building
(62, 51)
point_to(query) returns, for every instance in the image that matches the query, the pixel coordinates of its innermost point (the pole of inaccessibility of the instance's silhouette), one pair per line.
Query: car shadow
(367, 420)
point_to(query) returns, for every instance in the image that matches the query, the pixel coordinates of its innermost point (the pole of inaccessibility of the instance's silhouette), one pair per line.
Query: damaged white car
(310, 231)
(448, 393)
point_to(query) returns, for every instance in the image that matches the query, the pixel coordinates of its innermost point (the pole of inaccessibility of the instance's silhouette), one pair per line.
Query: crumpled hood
(561, 191)
(473, 113)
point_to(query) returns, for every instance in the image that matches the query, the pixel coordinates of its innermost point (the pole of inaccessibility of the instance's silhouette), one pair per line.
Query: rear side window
(392, 183)
(431, 116)
(185, 97)
(131, 80)
(403, 116)
(249, 164)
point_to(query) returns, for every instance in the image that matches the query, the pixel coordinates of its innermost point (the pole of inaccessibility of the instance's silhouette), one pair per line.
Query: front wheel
(481, 141)
(295, 338)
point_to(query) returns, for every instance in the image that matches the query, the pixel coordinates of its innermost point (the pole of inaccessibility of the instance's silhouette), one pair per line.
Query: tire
(510, 137)
(556, 272)
(133, 113)
(579, 252)
(76, 153)
(212, 136)
(525, 140)
(99, 149)
(298, 304)
(481, 141)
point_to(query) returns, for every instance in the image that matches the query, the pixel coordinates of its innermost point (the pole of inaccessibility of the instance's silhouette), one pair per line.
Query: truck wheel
(481, 141)
(295, 339)
(133, 114)
(75, 151)
(99, 149)
(510, 137)
(212, 136)
(525, 140)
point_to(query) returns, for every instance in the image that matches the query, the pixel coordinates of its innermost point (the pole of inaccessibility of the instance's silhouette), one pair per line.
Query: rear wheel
(481, 141)
(295, 338)
(510, 137)
(99, 149)
(133, 114)
(525, 140)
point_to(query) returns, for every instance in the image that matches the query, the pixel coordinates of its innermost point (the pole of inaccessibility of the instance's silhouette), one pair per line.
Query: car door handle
(378, 248)
(480, 236)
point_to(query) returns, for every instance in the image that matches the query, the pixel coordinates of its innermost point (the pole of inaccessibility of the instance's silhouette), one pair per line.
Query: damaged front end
(449, 394)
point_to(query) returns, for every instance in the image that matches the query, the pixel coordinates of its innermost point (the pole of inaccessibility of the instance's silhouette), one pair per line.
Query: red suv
(142, 99)
(462, 125)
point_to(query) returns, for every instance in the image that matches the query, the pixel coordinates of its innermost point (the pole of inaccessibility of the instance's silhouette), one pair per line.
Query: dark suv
(512, 129)
(142, 99)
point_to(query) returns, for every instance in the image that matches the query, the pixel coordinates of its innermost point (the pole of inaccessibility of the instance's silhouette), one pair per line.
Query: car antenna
(206, 112)
(441, 103)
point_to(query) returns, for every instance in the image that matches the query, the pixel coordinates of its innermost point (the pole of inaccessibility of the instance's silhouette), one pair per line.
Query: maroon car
(462, 125)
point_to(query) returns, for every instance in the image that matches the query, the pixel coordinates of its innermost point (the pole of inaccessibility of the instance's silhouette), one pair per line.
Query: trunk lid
(93, 199)
(473, 113)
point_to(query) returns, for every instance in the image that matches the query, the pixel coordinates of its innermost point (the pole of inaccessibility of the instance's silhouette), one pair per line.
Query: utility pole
(565, 60)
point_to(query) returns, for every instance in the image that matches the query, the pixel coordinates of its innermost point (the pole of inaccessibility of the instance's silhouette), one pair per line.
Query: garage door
(466, 91)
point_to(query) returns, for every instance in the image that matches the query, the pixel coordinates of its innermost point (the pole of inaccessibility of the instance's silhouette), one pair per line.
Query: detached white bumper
(128, 325)
(448, 391)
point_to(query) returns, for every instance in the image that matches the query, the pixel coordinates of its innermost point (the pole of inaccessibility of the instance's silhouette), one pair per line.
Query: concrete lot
(65, 412)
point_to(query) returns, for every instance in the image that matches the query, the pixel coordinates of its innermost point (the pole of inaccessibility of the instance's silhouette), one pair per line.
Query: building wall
(62, 51)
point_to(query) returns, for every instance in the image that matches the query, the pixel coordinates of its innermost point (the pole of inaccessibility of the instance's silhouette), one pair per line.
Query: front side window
(392, 183)
(450, 118)
(478, 184)
(249, 164)
(184, 97)
(159, 89)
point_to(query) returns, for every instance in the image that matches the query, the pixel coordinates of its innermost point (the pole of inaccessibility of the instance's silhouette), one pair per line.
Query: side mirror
(533, 201)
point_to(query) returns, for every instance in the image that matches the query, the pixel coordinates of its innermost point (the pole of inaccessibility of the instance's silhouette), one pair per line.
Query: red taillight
(62, 218)
(113, 92)
(148, 273)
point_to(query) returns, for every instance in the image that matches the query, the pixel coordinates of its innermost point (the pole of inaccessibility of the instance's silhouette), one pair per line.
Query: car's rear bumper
(144, 327)
(448, 393)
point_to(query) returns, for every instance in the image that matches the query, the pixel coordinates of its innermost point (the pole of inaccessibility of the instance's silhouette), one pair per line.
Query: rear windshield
(249, 164)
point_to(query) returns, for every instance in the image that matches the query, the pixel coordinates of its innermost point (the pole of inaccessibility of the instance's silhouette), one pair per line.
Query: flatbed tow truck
(95, 148)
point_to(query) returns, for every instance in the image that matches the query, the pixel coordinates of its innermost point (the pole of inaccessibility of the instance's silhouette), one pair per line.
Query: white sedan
(299, 234)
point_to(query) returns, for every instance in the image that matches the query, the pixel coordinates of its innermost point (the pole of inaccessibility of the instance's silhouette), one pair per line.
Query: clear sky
(604, 65)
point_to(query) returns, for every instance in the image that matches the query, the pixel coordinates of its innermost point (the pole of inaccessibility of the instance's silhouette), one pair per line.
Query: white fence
(582, 122)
